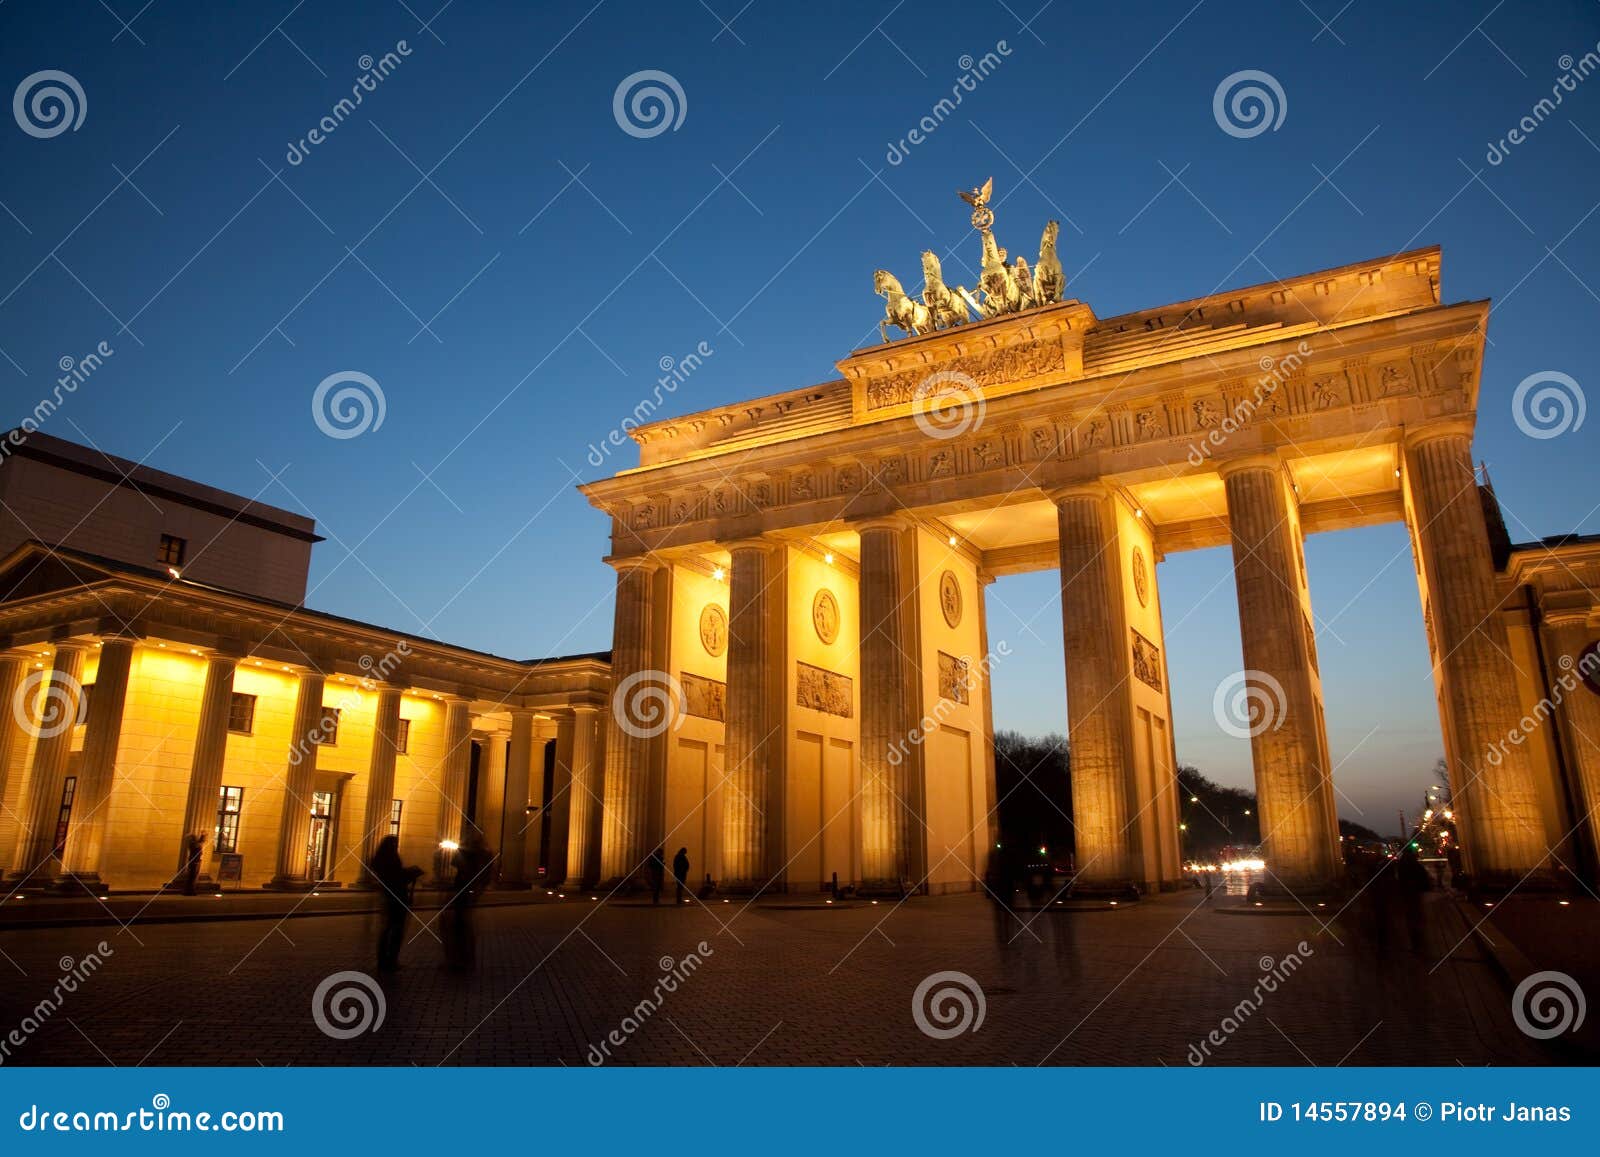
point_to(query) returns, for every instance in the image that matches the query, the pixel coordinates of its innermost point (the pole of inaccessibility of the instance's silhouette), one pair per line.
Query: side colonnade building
(190, 693)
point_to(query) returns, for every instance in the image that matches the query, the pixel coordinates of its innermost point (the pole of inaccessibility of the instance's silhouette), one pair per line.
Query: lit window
(69, 788)
(173, 550)
(242, 713)
(402, 737)
(395, 806)
(327, 733)
(229, 803)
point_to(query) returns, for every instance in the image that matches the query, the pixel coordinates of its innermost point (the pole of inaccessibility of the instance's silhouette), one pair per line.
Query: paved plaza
(1135, 985)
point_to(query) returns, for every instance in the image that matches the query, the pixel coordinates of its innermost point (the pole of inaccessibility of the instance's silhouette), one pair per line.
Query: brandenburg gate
(801, 658)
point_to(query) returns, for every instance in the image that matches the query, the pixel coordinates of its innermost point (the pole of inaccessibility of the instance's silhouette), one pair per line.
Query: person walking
(191, 865)
(680, 872)
(395, 880)
(472, 860)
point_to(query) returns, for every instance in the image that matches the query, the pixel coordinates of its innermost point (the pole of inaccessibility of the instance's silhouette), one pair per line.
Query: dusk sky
(485, 241)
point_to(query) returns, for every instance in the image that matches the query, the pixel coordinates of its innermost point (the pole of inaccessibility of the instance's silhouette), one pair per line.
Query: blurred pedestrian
(472, 860)
(394, 881)
(680, 873)
(195, 848)
(656, 867)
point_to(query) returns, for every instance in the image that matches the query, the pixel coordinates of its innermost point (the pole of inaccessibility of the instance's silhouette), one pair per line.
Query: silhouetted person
(656, 866)
(1003, 892)
(195, 849)
(1412, 882)
(680, 873)
(471, 860)
(394, 881)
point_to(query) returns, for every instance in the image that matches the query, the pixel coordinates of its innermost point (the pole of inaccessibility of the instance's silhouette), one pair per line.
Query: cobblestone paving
(1136, 985)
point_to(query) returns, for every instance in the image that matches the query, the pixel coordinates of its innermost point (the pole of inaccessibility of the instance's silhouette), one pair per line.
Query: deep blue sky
(649, 252)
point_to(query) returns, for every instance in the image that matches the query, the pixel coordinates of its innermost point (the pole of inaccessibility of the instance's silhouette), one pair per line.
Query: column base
(37, 881)
(72, 883)
(892, 889)
(202, 883)
(298, 884)
(1119, 890)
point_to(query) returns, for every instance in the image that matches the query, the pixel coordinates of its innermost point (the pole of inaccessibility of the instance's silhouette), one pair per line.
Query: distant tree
(1214, 816)
(1033, 782)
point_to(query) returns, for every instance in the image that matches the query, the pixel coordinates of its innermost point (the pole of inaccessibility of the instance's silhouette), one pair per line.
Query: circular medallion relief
(950, 598)
(713, 629)
(1141, 578)
(825, 615)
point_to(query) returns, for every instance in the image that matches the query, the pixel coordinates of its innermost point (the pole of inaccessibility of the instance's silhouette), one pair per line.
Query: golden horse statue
(1049, 279)
(997, 280)
(948, 306)
(901, 310)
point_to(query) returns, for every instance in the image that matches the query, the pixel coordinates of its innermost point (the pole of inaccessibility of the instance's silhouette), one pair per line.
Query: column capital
(1094, 489)
(882, 522)
(1267, 460)
(1559, 617)
(1453, 427)
(627, 562)
(129, 639)
(70, 645)
(761, 542)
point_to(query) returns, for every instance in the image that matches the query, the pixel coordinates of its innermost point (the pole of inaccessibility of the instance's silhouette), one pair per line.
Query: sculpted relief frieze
(996, 367)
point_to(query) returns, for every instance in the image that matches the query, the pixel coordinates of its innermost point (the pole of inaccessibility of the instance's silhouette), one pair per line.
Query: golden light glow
(719, 574)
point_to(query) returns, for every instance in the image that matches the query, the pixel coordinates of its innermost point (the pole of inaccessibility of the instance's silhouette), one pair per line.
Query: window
(395, 806)
(242, 713)
(83, 704)
(402, 738)
(328, 730)
(173, 549)
(69, 788)
(229, 803)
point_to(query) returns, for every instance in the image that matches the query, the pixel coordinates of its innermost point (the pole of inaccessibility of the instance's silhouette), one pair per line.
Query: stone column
(380, 775)
(13, 745)
(1492, 781)
(582, 834)
(490, 813)
(293, 869)
(1571, 666)
(754, 728)
(1097, 703)
(642, 710)
(51, 722)
(887, 756)
(453, 771)
(209, 759)
(1300, 841)
(514, 826)
(87, 835)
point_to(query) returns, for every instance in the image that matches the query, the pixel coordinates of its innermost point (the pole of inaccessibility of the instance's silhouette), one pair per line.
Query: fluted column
(380, 774)
(1097, 704)
(580, 773)
(87, 835)
(642, 711)
(13, 745)
(1579, 711)
(1491, 781)
(887, 755)
(293, 867)
(454, 769)
(51, 720)
(754, 728)
(210, 756)
(1291, 766)
(514, 825)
